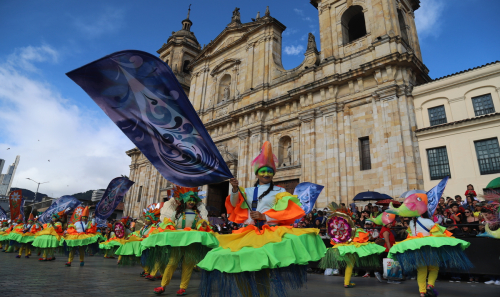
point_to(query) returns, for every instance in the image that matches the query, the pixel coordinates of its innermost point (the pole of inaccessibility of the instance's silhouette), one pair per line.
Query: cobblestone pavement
(102, 277)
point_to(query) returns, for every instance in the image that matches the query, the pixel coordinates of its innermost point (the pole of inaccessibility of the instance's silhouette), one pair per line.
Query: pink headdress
(265, 158)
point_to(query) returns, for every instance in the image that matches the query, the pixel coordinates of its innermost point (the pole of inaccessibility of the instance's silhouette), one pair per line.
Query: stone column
(307, 141)
(243, 162)
(330, 145)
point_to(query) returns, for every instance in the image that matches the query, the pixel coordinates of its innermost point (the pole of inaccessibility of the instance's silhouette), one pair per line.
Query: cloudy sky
(45, 116)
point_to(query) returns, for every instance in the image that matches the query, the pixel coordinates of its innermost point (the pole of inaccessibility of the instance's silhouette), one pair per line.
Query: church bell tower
(181, 48)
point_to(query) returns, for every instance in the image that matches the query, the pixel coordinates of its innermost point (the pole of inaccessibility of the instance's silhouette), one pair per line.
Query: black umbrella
(365, 196)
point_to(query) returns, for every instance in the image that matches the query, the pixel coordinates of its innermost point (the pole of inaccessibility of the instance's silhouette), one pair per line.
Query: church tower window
(185, 66)
(402, 26)
(353, 24)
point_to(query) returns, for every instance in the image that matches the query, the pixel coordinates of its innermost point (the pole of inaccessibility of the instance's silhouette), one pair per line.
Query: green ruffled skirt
(81, 242)
(269, 270)
(351, 255)
(157, 248)
(20, 238)
(443, 252)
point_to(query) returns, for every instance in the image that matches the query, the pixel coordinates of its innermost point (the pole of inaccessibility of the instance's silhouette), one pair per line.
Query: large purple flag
(113, 195)
(67, 203)
(141, 95)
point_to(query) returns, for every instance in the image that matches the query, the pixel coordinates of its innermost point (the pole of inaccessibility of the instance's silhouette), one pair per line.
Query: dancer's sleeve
(238, 209)
(286, 209)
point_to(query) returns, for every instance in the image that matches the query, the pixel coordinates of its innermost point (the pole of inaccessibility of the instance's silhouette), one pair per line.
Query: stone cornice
(466, 123)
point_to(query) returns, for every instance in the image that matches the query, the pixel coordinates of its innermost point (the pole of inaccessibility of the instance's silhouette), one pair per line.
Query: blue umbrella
(365, 196)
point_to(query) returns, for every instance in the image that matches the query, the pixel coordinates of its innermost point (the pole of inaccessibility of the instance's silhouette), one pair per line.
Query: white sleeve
(234, 198)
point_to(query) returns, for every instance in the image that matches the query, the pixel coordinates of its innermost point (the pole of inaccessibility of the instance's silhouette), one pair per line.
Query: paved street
(102, 277)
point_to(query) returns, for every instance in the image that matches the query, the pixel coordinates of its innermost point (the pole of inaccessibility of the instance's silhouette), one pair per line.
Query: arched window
(353, 24)
(185, 66)
(402, 26)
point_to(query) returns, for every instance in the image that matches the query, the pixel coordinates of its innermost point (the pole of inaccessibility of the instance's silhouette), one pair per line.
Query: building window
(140, 194)
(353, 24)
(185, 66)
(488, 155)
(364, 153)
(438, 162)
(402, 26)
(437, 115)
(483, 105)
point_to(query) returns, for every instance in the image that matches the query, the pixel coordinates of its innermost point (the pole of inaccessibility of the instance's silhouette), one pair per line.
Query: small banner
(308, 193)
(142, 96)
(16, 204)
(75, 217)
(113, 195)
(66, 203)
(434, 195)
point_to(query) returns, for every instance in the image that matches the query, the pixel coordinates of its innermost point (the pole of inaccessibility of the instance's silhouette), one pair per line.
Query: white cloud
(299, 11)
(293, 50)
(109, 21)
(85, 149)
(26, 56)
(429, 17)
(290, 31)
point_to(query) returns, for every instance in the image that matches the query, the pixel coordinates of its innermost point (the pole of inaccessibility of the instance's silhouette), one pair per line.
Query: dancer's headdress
(185, 194)
(59, 215)
(125, 220)
(414, 206)
(31, 217)
(383, 218)
(85, 212)
(152, 213)
(19, 217)
(265, 158)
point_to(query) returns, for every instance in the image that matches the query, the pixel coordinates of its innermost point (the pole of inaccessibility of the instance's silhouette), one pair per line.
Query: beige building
(343, 118)
(458, 120)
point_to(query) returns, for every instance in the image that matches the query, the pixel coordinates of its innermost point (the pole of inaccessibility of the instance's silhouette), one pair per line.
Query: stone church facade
(344, 118)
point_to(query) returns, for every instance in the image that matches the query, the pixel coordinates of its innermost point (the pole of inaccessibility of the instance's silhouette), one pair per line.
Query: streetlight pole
(36, 186)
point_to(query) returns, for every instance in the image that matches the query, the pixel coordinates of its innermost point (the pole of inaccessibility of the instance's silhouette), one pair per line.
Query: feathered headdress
(125, 220)
(152, 213)
(413, 206)
(265, 158)
(59, 215)
(185, 194)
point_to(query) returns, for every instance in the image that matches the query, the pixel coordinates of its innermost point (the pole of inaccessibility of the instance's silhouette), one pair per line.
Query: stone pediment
(227, 63)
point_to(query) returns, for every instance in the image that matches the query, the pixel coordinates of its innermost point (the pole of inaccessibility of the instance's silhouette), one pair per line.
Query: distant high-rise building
(2, 162)
(97, 195)
(8, 177)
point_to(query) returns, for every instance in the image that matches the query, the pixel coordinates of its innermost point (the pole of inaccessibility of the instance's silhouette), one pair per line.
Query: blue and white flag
(308, 194)
(142, 96)
(67, 203)
(3, 214)
(113, 195)
(434, 194)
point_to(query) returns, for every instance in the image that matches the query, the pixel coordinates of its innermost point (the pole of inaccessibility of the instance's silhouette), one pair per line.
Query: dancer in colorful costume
(130, 251)
(350, 244)
(81, 234)
(429, 246)
(4, 242)
(117, 237)
(27, 236)
(48, 239)
(15, 234)
(267, 256)
(184, 234)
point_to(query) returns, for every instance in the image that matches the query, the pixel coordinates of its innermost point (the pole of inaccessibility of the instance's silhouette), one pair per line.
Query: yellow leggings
(422, 278)
(348, 274)
(81, 249)
(26, 249)
(187, 270)
(49, 252)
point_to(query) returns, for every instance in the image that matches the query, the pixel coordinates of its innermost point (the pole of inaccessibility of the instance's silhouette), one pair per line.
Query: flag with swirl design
(113, 195)
(142, 96)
